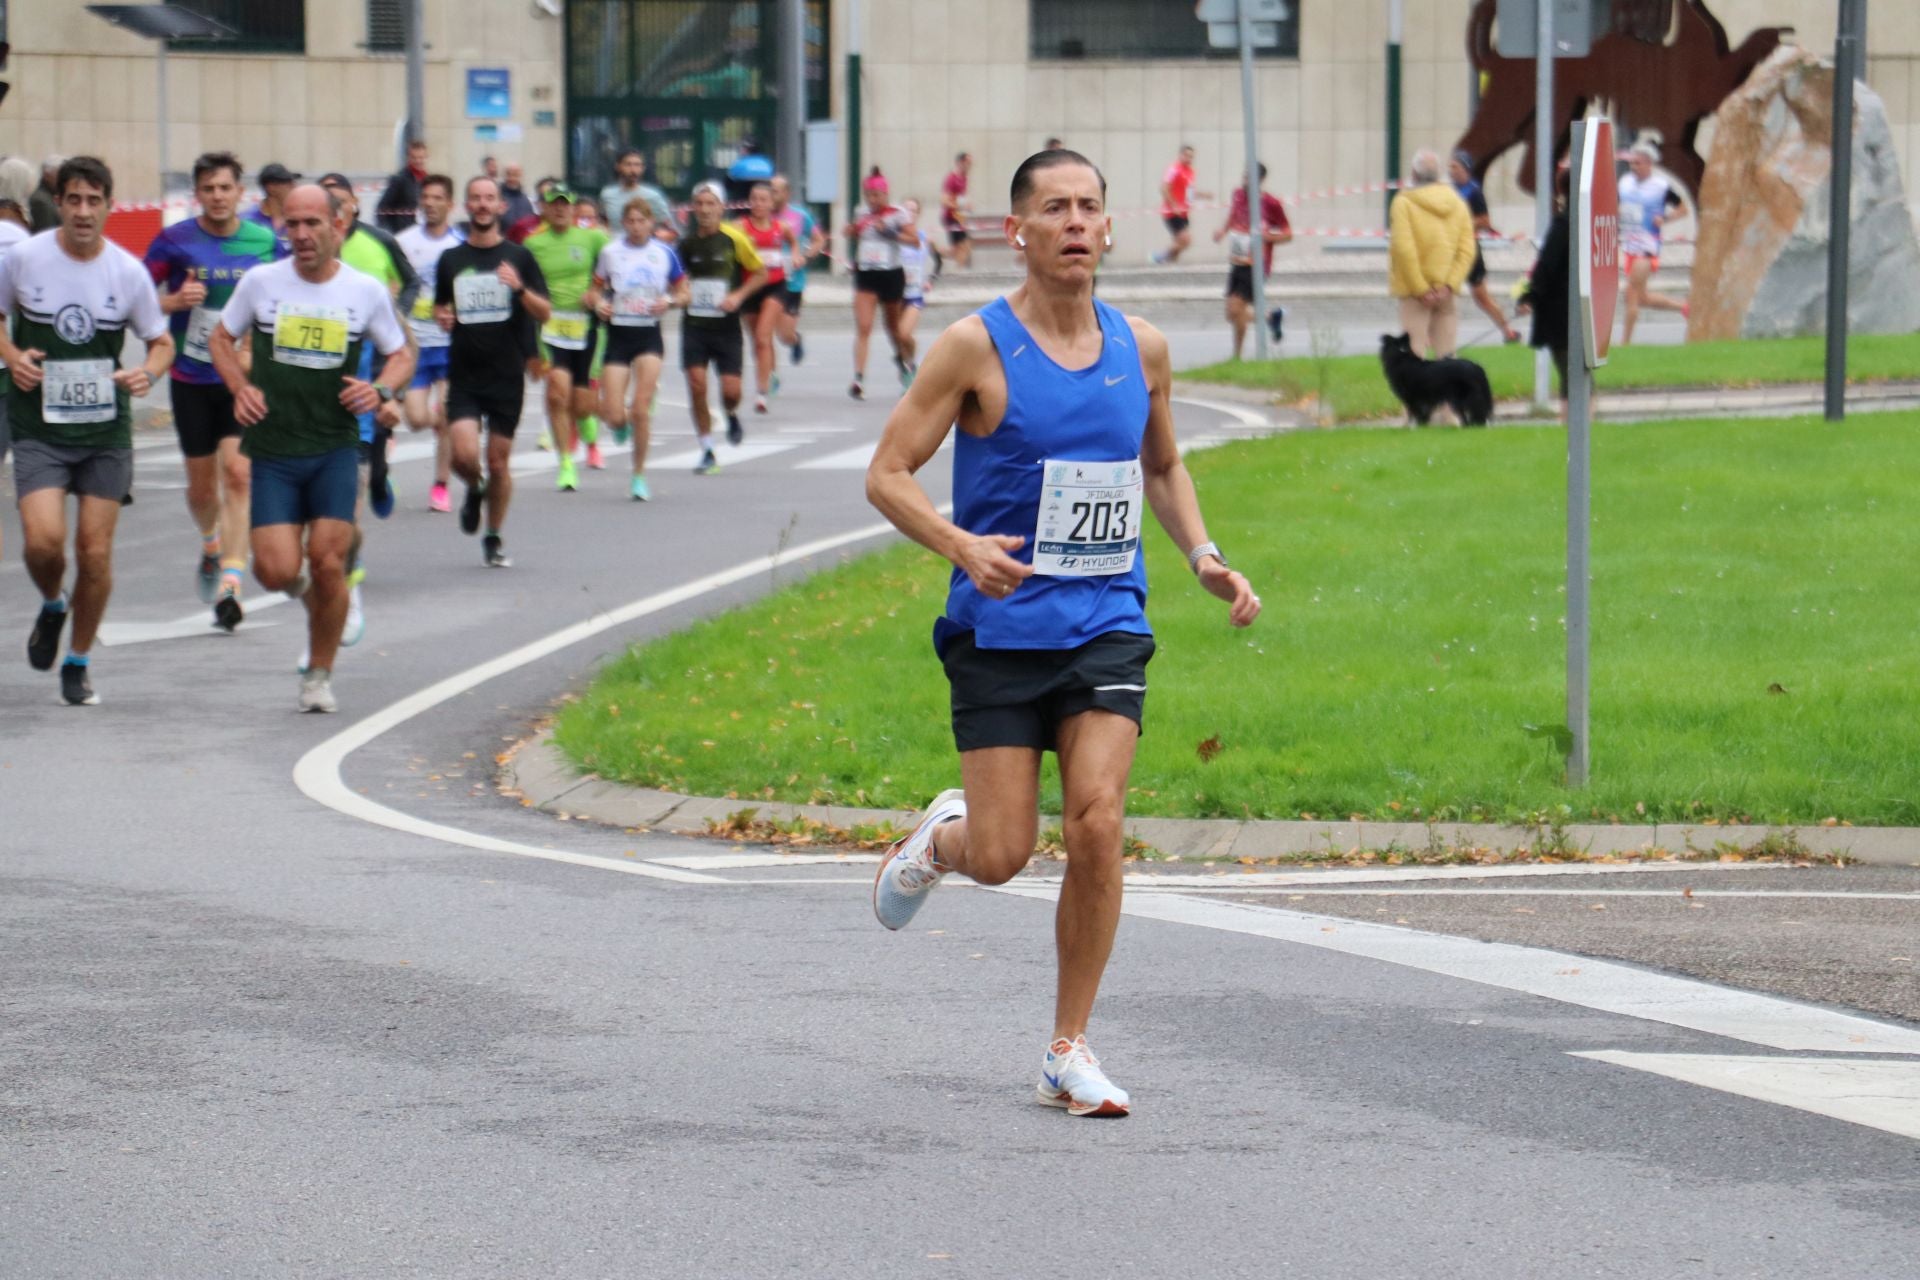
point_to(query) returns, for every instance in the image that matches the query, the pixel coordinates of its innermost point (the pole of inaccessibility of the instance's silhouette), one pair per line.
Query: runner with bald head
(1064, 429)
(299, 403)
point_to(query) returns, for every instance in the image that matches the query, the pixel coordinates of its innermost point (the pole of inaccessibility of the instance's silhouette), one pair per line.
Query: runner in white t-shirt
(71, 296)
(637, 279)
(426, 400)
(1648, 203)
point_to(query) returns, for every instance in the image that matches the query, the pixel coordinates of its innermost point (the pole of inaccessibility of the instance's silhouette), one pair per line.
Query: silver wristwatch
(1204, 549)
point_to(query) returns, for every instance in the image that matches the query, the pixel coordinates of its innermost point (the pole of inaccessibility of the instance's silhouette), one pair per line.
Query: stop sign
(1596, 238)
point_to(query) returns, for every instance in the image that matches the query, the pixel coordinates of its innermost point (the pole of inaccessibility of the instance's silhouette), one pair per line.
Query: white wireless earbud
(1108, 240)
(1021, 241)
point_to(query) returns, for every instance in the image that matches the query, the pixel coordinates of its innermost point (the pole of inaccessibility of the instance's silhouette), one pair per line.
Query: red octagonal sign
(1596, 237)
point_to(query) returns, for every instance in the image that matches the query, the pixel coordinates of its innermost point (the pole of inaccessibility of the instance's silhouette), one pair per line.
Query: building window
(386, 26)
(263, 26)
(1110, 30)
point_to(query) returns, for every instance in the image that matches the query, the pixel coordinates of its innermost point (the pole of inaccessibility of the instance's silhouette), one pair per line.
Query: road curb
(545, 779)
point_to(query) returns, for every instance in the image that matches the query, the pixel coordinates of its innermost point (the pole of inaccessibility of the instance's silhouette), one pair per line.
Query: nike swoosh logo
(1017, 351)
(1114, 382)
(1053, 1082)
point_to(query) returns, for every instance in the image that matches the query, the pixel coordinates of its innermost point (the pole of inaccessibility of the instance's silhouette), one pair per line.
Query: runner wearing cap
(724, 270)
(878, 280)
(1064, 435)
(275, 181)
(567, 254)
(1648, 202)
(196, 263)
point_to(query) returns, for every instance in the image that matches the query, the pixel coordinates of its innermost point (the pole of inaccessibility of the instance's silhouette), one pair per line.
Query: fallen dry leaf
(1208, 749)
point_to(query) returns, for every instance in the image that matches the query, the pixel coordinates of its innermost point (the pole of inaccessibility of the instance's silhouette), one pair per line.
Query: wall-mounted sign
(489, 93)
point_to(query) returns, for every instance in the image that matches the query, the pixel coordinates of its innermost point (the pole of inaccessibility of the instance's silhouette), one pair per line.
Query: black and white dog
(1425, 385)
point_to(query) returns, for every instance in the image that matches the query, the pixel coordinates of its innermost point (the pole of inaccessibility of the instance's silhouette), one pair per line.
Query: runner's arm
(249, 405)
(530, 286)
(22, 364)
(409, 280)
(1169, 486)
(917, 425)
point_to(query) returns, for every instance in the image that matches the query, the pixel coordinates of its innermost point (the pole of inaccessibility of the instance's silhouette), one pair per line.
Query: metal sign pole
(1846, 68)
(1543, 139)
(1254, 227)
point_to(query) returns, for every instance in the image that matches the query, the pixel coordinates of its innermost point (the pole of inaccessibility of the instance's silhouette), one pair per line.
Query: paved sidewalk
(544, 778)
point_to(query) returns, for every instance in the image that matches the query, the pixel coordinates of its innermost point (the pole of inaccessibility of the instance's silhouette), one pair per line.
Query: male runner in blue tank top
(1062, 409)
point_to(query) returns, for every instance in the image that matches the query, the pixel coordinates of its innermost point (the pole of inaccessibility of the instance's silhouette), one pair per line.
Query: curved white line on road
(1240, 413)
(318, 772)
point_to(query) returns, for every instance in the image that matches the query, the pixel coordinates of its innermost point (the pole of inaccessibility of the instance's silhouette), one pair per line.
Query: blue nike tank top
(1096, 414)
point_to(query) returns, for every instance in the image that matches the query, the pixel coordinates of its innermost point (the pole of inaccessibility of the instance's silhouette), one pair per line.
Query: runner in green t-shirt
(567, 254)
(309, 318)
(72, 296)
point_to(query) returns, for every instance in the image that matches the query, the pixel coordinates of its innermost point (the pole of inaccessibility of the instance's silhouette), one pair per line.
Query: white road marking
(729, 455)
(191, 626)
(856, 458)
(317, 773)
(1767, 1021)
(1239, 413)
(1568, 893)
(1880, 1095)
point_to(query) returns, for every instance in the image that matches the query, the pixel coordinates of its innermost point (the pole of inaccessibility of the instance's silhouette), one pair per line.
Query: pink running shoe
(437, 500)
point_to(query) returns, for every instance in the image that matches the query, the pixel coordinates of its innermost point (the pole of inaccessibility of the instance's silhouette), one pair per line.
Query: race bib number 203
(1089, 518)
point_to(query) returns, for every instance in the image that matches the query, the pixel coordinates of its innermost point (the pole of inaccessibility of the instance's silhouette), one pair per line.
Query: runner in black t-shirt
(490, 295)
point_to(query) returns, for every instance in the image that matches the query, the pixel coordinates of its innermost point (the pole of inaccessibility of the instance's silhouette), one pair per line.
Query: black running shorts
(627, 343)
(722, 347)
(202, 416)
(793, 300)
(1479, 272)
(578, 364)
(1240, 282)
(496, 408)
(888, 286)
(1176, 222)
(1019, 697)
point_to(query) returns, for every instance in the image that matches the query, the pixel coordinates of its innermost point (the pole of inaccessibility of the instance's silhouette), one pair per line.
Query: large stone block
(1761, 267)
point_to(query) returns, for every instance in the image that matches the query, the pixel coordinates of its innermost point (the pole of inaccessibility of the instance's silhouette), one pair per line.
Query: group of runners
(295, 340)
(299, 340)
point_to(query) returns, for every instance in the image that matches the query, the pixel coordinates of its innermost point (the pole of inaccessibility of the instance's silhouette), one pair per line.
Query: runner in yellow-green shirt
(567, 254)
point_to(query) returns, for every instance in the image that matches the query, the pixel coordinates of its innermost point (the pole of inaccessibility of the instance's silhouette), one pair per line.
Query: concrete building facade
(940, 76)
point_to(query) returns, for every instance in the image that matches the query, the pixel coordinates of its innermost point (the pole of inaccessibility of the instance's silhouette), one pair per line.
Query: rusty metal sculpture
(1664, 65)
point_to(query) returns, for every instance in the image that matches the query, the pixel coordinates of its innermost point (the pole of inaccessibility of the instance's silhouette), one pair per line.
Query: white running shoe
(316, 692)
(1070, 1077)
(356, 624)
(907, 873)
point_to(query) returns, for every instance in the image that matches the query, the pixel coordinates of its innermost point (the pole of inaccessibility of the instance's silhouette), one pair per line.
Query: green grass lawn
(1756, 651)
(1357, 389)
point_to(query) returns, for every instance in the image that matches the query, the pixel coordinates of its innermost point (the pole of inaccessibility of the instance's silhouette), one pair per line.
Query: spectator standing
(953, 210)
(1545, 292)
(43, 207)
(399, 206)
(1431, 247)
(516, 204)
(630, 172)
(1237, 231)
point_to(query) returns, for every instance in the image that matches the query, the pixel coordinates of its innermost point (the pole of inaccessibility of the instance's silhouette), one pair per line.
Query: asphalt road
(245, 1032)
